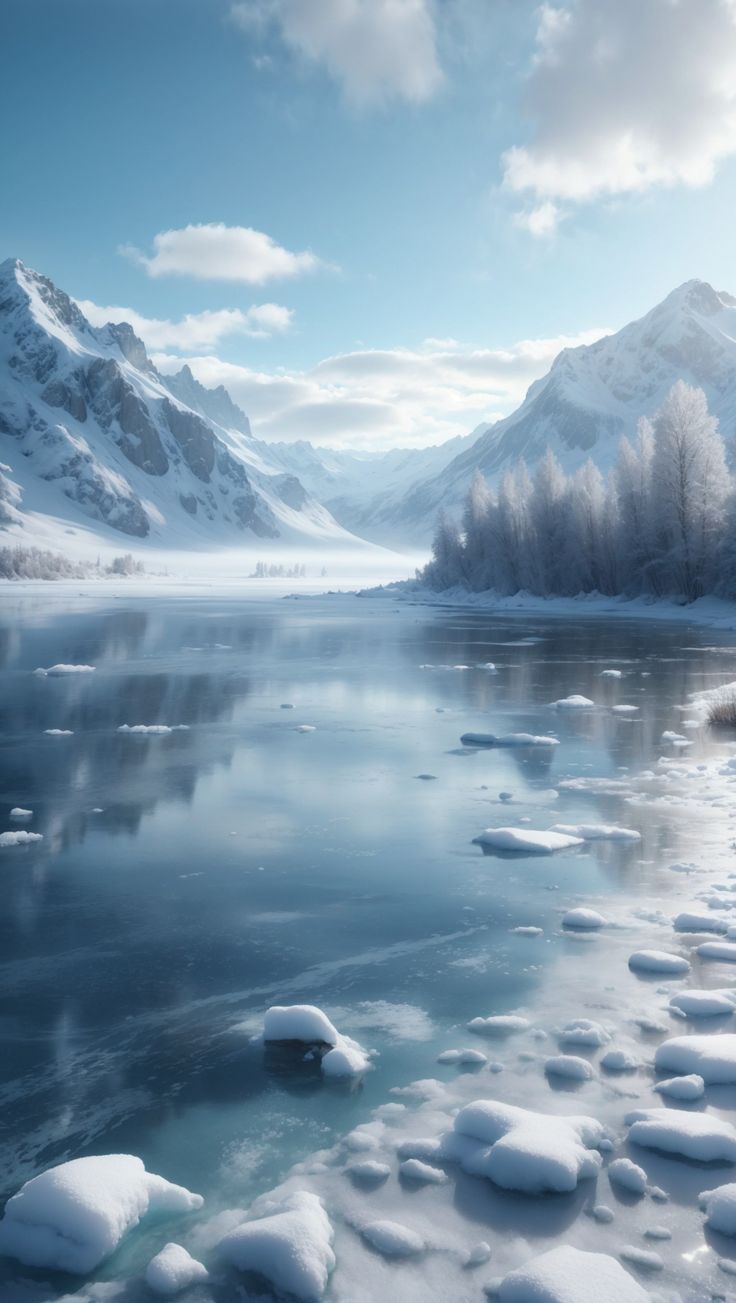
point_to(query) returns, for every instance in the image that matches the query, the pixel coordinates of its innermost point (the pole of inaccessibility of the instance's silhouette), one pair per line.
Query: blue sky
(473, 172)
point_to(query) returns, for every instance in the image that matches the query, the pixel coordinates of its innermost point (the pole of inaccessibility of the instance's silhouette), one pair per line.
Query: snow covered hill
(94, 439)
(591, 396)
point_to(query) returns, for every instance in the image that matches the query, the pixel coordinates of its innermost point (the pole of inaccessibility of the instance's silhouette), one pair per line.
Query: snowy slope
(591, 396)
(91, 436)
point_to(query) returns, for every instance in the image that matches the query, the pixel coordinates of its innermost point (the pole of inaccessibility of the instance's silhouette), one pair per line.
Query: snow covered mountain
(591, 396)
(93, 437)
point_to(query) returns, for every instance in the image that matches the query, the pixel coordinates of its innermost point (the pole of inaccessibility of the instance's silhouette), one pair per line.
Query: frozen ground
(548, 1113)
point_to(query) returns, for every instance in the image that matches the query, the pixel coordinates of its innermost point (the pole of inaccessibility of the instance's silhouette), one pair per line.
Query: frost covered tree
(663, 521)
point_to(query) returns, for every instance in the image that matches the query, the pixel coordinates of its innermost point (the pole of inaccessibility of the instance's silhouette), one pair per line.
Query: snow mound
(611, 674)
(73, 1216)
(570, 1066)
(628, 1175)
(624, 709)
(519, 1149)
(619, 1061)
(527, 931)
(58, 670)
(392, 1240)
(59, 732)
(413, 1169)
(658, 961)
(528, 841)
(583, 1031)
(575, 702)
(704, 1004)
(172, 1270)
(290, 1245)
(712, 1057)
(584, 920)
(19, 813)
(725, 951)
(470, 1057)
(153, 729)
(719, 1206)
(499, 1024)
(508, 740)
(305, 1023)
(567, 1275)
(370, 1170)
(594, 832)
(19, 838)
(690, 1087)
(692, 1135)
(690, 922)
(306, 728)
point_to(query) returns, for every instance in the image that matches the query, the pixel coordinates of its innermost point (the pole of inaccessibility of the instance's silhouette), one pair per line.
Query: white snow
(147, 728)
(689, 1087)
(628, 1175)
(611, 674)
(568, 1065)
(310, 1026)
(289, 1243)
(526, 840)
(59, 732)
(306, 728)
(704, 1004)
(172, 1270)
(392, 1240)
(624, 709)
(413, 1169)
(670, 736)
(619, 1061)
(725, 951)
(527, 931)
(693, 922)
(719, 1206)
(463, 1057)
(19, 813)
(584, 920)
(19, 838)
(583, 1031)
(574, 702)
(658, 961)
(58, 670)
(692, 1135)
(568, 1275)
(592, 832)
(508, 740)
(712, 1057)
(369, 1170)
(499, 1024)
(73, 1216)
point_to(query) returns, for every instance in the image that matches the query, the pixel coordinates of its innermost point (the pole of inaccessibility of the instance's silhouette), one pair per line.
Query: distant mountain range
(93, 435)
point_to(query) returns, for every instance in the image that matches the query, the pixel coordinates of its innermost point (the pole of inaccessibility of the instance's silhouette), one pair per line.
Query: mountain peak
(698, 296)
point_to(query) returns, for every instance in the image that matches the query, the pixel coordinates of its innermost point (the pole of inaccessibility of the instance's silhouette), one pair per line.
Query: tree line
(661, 522)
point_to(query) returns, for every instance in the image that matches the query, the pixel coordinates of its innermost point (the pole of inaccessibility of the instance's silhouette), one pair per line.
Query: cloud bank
(197, 331)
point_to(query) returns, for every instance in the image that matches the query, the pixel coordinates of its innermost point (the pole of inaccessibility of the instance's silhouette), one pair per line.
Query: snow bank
(305, 1023)
(19, 813)
(172, 1270)
(290, 1245)
(691, 1135)
(58, 670)
(508, 740)
(570, 1066)
(575, 702)
(690, 1087)
(73, 1216)
(19, 838)
(519, 1149)
(719, 1206)
(584, 920)
(567, 1275)
(593, 832)
(527, 841)
(712, 1057)
(704, 1004)
(658, 961)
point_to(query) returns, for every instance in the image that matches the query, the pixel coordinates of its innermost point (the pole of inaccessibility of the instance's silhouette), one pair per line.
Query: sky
(375, 221)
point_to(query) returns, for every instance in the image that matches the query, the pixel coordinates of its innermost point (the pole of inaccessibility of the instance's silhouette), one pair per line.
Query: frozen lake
(187, 881)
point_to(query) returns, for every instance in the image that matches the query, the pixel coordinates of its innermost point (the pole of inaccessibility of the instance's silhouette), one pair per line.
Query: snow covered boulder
(290, 1245)
(525, 841)
(567, 1275)
(658, 961)
(691, 1135)
(519, 1149)
(172, 1270)
(73, 1216)
(712, 1057)
(719, 1206)
(340, 1056)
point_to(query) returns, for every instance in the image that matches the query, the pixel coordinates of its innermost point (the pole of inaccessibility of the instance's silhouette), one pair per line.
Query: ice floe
(574, 702)
(19, 838)
(413, 1169)
(73, 1216)
(339, 1055)
(288, 1242)
(59, 732)
(508, 740)
(20, 814)
(595, 832)
(499, 1024)
(725, 951)
(611, 674)
(583, 1031)
(56, 671)
(527, 841)
(173, 1270)
(688, 921)
(153, 729)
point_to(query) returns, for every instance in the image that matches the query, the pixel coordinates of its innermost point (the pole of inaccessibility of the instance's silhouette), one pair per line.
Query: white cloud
(213, 251)
(197, 331)
(540, 221)
(625, 96)
(376, 50)
(384, 398)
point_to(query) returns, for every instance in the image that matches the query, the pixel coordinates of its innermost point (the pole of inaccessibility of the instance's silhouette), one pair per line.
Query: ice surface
(173, 1270)
(719, 1206)
(526, 840)
(689, 1087)
(592, 832)
(508, 740)
(584, 920)
(19, 838)
(658, 961)
(73, 1216)
(690, 1135)
(568, 1275)
(289, 1243)
(712, 1057)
